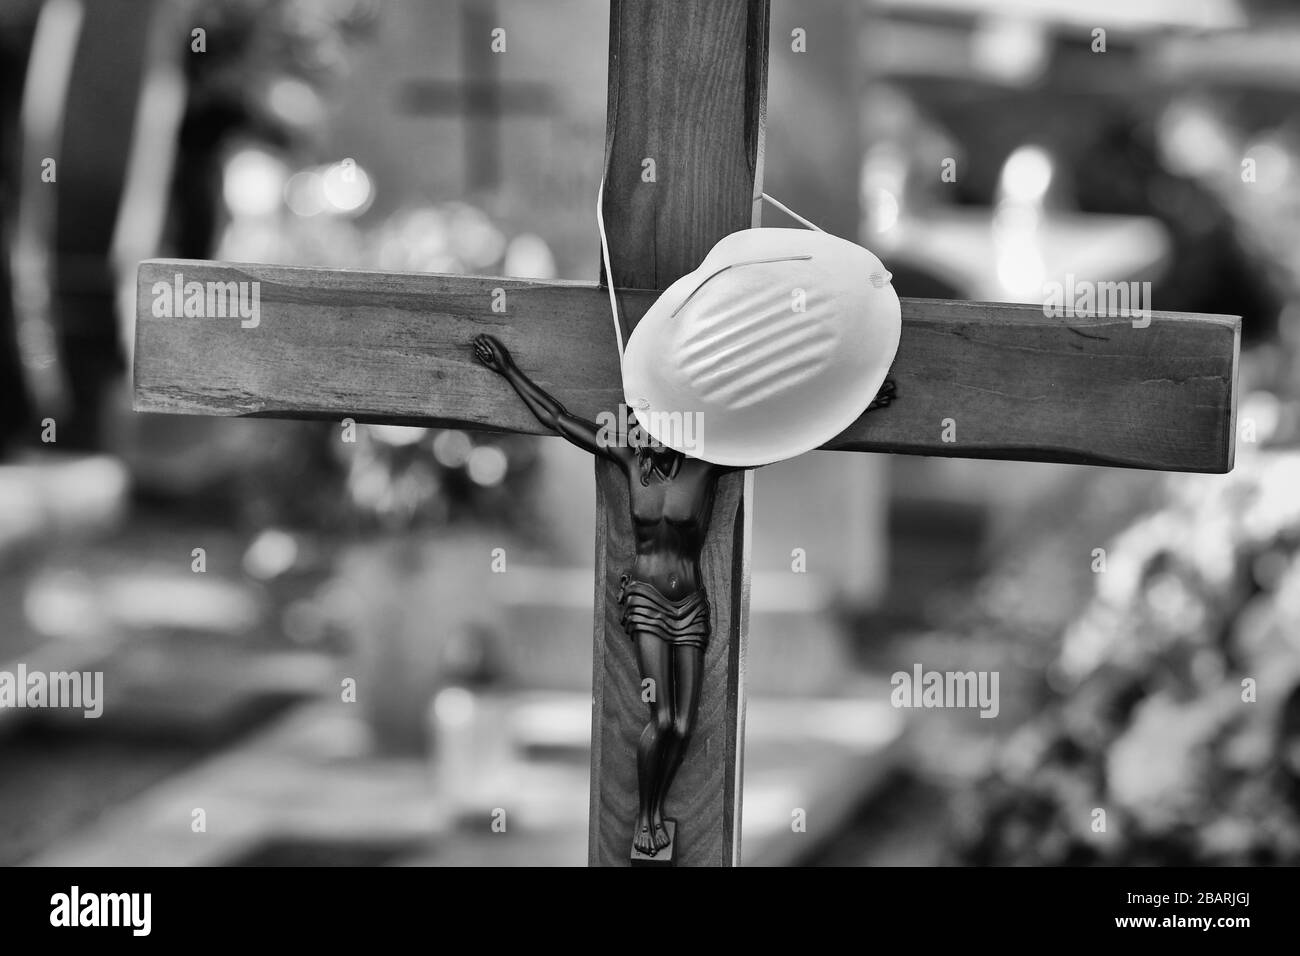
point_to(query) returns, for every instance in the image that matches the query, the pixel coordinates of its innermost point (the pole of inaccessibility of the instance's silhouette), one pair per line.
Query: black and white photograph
(651, 433)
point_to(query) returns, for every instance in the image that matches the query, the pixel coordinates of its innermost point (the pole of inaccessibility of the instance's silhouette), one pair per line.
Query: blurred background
(307, 654)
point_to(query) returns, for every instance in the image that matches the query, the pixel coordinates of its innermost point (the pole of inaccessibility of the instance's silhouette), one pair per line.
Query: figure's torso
(670, 519)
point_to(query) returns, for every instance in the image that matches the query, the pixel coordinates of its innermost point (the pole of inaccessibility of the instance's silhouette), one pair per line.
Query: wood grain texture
(379, 347)
(687, 87)
(391, 347)
(686, 90)
(1086, 389)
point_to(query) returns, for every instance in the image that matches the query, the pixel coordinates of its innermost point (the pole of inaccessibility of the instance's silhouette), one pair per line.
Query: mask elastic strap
(792, 214)
(609, 272)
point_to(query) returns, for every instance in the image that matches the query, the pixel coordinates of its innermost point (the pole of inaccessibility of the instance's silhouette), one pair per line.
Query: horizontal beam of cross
(975, 380)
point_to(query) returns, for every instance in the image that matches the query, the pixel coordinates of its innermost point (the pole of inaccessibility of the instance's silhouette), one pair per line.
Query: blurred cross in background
(480, 97)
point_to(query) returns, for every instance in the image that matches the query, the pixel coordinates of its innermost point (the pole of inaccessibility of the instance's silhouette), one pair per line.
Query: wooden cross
(687, 87)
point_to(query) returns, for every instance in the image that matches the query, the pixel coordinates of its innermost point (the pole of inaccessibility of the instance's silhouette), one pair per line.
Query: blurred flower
(1169, 692)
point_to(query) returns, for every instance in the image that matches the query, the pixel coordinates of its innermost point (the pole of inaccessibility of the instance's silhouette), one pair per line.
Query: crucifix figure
(683, 170)
(665, 610)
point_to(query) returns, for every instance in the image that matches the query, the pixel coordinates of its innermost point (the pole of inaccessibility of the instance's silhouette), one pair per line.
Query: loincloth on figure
(645, 609)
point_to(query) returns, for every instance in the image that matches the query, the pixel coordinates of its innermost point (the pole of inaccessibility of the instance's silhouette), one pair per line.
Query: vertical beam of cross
(683, 169)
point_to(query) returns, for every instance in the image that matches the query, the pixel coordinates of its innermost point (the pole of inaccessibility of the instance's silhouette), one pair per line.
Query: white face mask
(775, 344)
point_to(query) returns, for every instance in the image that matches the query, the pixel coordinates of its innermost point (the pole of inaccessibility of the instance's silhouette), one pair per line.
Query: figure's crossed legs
(687, 664)
(674, 698)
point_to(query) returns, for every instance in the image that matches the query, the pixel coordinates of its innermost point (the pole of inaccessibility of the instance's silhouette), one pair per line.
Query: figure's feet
(886, 395)
(644, 838)
(661, 836)
(658, 830)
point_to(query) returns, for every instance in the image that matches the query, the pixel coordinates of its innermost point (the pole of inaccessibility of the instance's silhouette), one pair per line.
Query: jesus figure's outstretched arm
(544, 406)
